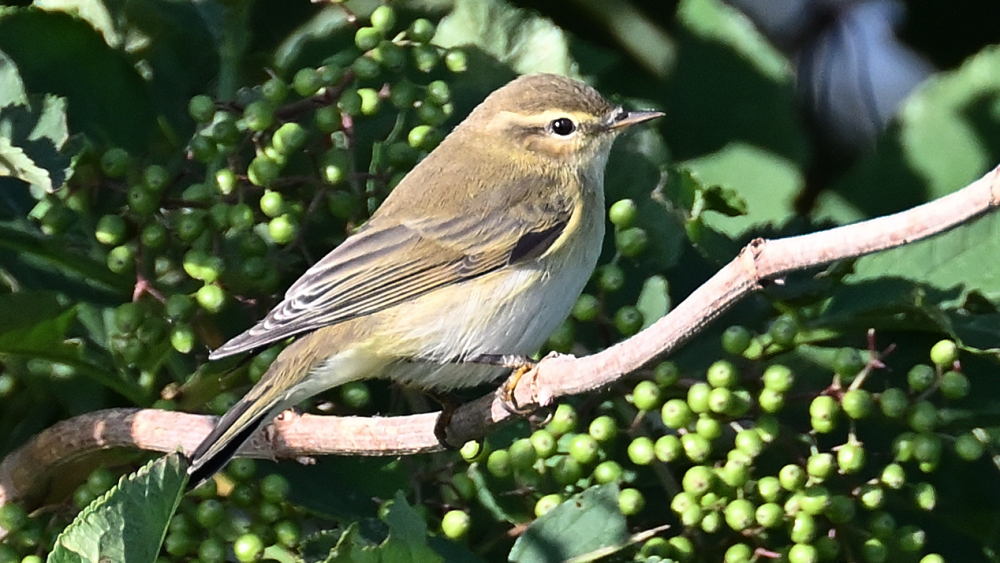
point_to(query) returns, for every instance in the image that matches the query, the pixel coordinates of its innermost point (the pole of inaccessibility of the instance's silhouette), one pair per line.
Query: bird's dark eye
(563, 126)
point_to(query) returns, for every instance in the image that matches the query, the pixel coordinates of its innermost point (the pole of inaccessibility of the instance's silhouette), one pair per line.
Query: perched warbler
(479, 252)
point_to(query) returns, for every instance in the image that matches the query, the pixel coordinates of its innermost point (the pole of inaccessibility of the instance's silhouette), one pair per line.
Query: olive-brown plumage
(481, 249)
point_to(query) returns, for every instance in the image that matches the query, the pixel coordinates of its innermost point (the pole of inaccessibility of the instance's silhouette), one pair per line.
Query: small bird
(478, 253)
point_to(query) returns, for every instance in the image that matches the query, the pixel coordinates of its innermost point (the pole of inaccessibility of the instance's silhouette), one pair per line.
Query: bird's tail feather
(232, 430)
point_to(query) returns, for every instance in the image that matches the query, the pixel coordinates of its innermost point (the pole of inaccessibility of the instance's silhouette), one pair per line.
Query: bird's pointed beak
(622, 119)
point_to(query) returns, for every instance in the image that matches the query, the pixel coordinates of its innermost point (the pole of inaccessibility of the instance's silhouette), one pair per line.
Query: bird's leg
(448, 406)
(520, 364)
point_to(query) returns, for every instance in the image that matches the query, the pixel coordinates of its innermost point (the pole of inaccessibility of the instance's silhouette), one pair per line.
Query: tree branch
(27, 472)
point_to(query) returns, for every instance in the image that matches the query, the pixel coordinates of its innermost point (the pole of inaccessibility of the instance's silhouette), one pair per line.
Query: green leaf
(586, 523)
(406, 542)
(129, 522)
(946, 134)
(33, 139)
(654, 299)
(964, 257)
(61, 54)
(522, 40)
(11, 88)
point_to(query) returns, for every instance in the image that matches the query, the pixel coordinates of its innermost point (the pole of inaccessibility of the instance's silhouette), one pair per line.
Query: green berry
(425, 57)
(676, 414)
(954, 385)
(740, 514)
(499, 464)
(697, 397)
(263, 170)
(668, 448)
(121, 259)
(546, 504)
(874, 550)
(307, 82)
(383, 19)
(631, 242)
(13, 518)
(925, 496)
(736, 339)
(944, 354)
(851, 458)
(367, 38)
(366, 68)
(824, 407)
(584, 449)
(523, 454)
(803, 528)
(848, 362)
(115, 162)
(155, 177)
(857, 403)
(274, 488)
(749, 442)
(608, 472)
(630, 501)
(111, 230)
(201, 108)
(248, 548)
(893, 476)
(438, 92)
(563, 420)
(968, 447)
(610, 278)
(472, 451)
(841, 509)
(819, 466)
(283, 228)
(455, 524)
(734, 473)
(349, 102)
(769, 515)
(893, 402)
(708, 427)
(871, 497)
(211, 298)
(720, 400)
(274, 90)
(544, 443)
(623, 213)
(628, 320)
(455, 61)
(771, 401)
(640, 451)
(370, 101)
(803, 553)
(289, 138)
(698, 480)
(722, 374)
(920, 377)
(419, 137)
(911, 539)
(666, 374)
(258, 115)
(738, 553)
(566, 471)
(421, 31)
(769, 488)
(778, 378)
(791, 477)
(696, 447)
(783, 331)
(604, 429)
(923, 417)
(586, 308)
(646, 396)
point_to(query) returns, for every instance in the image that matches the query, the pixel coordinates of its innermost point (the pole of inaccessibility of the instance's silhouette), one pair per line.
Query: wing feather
(382, 266)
